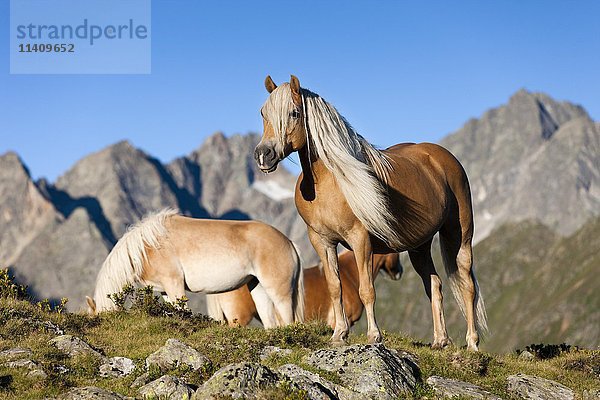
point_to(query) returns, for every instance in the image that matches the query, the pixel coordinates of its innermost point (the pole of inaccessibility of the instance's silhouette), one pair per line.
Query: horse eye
(295, 114)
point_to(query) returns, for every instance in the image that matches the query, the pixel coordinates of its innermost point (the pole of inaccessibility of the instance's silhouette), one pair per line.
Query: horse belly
(215, 276)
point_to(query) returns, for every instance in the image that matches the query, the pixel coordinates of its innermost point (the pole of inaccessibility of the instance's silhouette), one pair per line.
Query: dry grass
(136, 334)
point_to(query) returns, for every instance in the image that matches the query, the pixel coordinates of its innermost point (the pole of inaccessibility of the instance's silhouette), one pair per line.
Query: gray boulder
(371, 370)
(37, 373)
(535, 388)
(242, 380)
(117, 367)
(269, 351)
(591, 395)
(19, 357)
(22, 363)
(91, 393)
(452, 388)
(35, 370)
(16, 353)
(166, 387)
(526, 355)
(73, 346)
(140, 380)
(175, 353)
(315, 386)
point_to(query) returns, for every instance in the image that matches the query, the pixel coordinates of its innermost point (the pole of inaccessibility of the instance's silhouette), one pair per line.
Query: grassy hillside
(143, 329)
(537, 286)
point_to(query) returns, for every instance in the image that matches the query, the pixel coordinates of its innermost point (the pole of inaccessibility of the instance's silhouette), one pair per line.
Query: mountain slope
(533, 158)
(24, 210)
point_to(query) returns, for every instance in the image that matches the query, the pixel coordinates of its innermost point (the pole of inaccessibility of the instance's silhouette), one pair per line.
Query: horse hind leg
(423, 264)
(458, 261)
(283, 306)
(265, 307)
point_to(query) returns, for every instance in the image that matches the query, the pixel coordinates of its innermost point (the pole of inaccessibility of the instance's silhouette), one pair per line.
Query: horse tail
(456, 284)
(298, 296)
(213, 307)
(125, 263)
(481, 320)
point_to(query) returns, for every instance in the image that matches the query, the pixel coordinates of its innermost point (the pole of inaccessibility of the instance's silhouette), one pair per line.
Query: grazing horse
(237, 308)
(173, 253)
(374, 201)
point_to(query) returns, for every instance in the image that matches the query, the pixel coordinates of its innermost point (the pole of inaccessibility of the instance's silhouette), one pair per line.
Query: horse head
(390, 263)
(283, 124)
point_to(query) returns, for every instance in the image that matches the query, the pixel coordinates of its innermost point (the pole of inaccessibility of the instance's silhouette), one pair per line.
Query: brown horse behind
(374, 201)
(237, 307)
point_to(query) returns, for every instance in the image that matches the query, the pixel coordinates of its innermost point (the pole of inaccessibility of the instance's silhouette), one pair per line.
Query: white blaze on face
(261, 160)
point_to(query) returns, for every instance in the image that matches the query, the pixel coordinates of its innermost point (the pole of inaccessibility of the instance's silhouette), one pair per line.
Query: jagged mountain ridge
(66, 229)
(533, 158)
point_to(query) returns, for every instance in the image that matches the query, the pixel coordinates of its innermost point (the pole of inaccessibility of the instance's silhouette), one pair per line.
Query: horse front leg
(328, 255)
(363, 253)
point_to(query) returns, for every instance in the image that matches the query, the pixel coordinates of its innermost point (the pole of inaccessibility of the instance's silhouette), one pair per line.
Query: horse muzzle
(266, 158)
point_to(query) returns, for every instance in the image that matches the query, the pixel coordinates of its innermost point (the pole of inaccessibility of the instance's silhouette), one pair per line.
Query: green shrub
(547, 351)
(9, 289)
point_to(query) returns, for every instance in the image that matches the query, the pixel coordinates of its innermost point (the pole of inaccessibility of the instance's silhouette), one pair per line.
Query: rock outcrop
(243, 380)
(371, 370)
(92, 393)
(175, 353)
(536, 388)
(19, 357)
(166, 387)
(74, 346)
(117, 367)
(531, 159)
(316, 387)
(449, 388)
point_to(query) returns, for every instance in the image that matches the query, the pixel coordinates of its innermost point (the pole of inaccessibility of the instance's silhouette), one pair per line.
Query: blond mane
(125, 263)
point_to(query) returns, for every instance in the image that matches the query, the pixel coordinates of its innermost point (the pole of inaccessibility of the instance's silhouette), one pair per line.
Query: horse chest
(324, 209)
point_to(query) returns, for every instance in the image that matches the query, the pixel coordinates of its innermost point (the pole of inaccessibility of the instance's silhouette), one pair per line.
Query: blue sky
(398, 71)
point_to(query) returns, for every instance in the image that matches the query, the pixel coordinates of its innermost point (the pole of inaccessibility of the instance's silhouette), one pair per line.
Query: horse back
(427, 186)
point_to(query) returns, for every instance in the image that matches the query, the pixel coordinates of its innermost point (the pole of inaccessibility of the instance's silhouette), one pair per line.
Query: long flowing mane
(125, 263)
(360, 169)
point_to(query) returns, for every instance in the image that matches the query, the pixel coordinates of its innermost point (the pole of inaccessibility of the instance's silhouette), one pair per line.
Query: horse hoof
(374, 339)
(473, 348)
(338, 342)
(439, 345)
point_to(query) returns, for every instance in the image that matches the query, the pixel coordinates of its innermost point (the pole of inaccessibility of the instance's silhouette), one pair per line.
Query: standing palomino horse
(238, 308)
(173, 253)
(374, 202)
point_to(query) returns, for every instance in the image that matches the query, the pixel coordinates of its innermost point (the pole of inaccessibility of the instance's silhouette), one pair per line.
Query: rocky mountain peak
(120, 184)
(531, 145)
(24, 210)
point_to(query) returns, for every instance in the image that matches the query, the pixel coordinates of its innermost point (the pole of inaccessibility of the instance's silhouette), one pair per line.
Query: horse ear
(269, 84)
(295, 87)
(91, 304)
